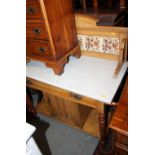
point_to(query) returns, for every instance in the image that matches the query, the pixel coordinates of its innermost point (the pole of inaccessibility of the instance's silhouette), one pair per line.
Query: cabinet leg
(100, 147)
(59, 67)
(102, 127)
(102, 116)
(77, 53)
(58, 70)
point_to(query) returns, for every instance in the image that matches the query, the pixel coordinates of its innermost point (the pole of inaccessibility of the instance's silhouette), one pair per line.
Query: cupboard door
(44, 108)
(64, 110)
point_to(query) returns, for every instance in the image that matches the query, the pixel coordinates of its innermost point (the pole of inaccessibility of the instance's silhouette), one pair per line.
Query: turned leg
(102, 116)
(102, 128)
(102, 121)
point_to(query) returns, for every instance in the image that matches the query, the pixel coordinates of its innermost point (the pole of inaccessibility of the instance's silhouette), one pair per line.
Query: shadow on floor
(39, 134)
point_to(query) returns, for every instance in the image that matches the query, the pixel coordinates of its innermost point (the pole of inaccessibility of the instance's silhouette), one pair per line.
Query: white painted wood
(87, 76)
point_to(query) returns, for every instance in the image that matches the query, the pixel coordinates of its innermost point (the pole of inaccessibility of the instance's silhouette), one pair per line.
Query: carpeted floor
(54, 137)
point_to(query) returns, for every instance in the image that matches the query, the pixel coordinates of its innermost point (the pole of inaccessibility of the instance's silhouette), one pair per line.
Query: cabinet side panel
(62, 24)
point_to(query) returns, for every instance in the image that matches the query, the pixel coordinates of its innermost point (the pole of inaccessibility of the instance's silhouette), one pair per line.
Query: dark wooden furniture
(119, 125)
(108, 12)
(98, 5)
(51, 32)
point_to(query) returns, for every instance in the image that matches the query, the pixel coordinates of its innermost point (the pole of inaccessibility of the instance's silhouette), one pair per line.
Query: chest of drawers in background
(51, 32)
(119, 124)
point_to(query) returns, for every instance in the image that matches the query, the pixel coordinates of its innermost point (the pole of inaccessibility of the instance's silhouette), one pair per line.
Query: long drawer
(36, 30)
(38, 49)
(61, 93)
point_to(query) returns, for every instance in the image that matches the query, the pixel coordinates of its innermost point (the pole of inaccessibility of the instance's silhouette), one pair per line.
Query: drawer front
(61, 93)
(36, 31)
(122, 139)
(40, 49)
(33, 10)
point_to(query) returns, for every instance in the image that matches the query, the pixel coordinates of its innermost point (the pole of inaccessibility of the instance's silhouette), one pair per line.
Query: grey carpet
(65, 140)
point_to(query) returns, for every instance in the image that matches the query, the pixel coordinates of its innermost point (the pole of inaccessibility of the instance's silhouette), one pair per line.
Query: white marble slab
(87, 76)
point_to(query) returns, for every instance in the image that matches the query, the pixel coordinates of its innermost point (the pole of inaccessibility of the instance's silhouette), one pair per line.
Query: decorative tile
(81, 41)
(110, 45)
(99, 44)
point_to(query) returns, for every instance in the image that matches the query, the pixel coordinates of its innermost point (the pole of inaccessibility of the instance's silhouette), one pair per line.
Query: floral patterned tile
(99, 44)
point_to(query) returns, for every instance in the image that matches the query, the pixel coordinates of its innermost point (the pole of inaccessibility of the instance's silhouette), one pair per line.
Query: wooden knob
(30, 10)
(42, 50)
(37, 31)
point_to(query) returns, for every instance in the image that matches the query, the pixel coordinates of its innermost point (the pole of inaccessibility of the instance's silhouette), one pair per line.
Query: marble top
(88, 76)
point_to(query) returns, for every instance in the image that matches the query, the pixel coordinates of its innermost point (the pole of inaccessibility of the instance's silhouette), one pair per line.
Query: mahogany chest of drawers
(51, 34)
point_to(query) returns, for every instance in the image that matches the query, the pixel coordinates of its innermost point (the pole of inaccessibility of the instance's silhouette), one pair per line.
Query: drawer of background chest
(122, 139)
(36, 30)
(119, 151)
(33, 10)
(40, 49)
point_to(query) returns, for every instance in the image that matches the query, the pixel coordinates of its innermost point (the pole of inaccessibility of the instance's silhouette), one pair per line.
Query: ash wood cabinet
(62, 109)
(72, 109)
(65, 110)
(51, 32)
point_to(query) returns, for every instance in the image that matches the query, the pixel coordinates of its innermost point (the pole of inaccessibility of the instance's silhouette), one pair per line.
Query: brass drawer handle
(76, 96)
(29, 82)
(31, 10)
(42, 50)
(36, 31)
